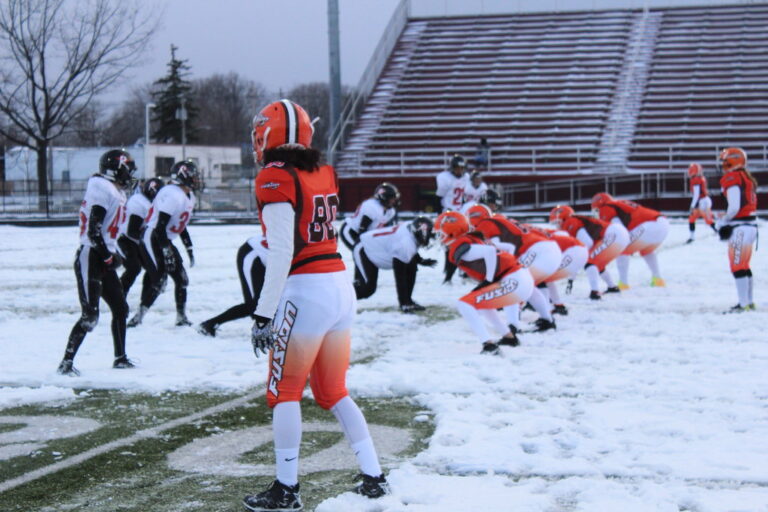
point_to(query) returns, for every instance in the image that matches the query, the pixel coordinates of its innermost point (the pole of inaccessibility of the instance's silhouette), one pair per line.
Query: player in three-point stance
(647, 230)
(534, 250)
(701, 203)
(604, 240)
(136, 212)
(739, 225)
(504, 282)
(396, 248)
(373, 213)
(450, 189)
(307, 304)
(168, 218)
(97, 260)
(251, 261)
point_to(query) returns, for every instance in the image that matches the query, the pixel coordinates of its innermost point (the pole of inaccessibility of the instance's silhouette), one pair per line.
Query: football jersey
(450, 189)
(476, 269)
(701, 181)
(629, 213)
(472, 194)
(595, 228)
(171, 199)
(510, 232)
(563, 239)
(314, 197)
(747, 196)
(138, 205)
(385, 244)
(374, 210)
(102, 192)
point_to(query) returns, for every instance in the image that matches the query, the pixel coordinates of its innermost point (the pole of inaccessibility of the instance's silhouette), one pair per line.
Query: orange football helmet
(695, 170)
(559, 213)
(733, 159)
(601, 199)
(450, 225)
(281, 123)
(477, 213)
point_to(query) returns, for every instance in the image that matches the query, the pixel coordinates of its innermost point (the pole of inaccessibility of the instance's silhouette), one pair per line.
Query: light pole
(181, 115)
(147, 108)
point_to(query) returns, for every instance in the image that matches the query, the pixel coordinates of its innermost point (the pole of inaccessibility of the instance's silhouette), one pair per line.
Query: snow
(648, 401)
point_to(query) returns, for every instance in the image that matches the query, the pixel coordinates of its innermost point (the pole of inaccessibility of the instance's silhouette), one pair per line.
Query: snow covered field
(651, 401)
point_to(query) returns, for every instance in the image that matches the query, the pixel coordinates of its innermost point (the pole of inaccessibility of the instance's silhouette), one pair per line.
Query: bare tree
(315, 99)
(126, 125)
(55, 57)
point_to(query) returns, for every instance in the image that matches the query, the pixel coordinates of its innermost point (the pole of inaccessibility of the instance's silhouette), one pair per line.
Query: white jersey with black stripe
(102, 192)
(374, 210)
(138, 205)
(385, 244)
(173, 200)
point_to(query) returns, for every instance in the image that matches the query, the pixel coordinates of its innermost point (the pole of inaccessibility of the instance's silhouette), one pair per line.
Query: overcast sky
(282, 43)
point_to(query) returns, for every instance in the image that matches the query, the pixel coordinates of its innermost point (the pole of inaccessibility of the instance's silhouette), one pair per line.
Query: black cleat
(411, 308)
(66, 368)
(207, 329)
(560, 309)
(509, 341)
(123, 363)
(490, 348)
(689, 241)
(544, 325)
(278, 496)
(372, 486)
(613, 289)
(593, 295)
(182, 320)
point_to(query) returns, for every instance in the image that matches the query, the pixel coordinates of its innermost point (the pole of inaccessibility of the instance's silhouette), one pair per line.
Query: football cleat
(411, 308)
(66, 368)
(623, 286)
(509, 341)
(689, 241)
(613, 289)
(278, 497)
(138, 317)
(207, 329)
(594, 295)
(182, 320)
(560, 309)
(372, 486)
(740, 309)
(122, 363)
(490, 348)
(543, 324)
(658, 282)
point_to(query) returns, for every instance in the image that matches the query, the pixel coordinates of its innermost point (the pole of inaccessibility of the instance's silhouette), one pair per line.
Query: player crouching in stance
(396, 248)
(605, 241)
(701, 203)
(647, 230)
(738, 226)
(373, 213)
(168, 218)
(307, 304)
(504, 282)
(575, 256)
(96, 261)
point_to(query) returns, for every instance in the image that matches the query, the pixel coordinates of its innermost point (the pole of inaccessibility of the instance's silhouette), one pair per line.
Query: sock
(286, 426)
(492, 317)
(607, 278)
(742, 289)
(540, 304)
(554, 294)
(653, 264)
(623, 263)
(594, 278)
(355, 429)
(750, 290)
(472, 317)
(691, 228)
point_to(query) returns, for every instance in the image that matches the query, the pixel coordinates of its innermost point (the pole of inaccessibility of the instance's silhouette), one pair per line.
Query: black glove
(569, 287)
(725, 232)
(191, 257)
(482, 284)
(262, 335)
(169, 259)
(427, 262)
(114, 261)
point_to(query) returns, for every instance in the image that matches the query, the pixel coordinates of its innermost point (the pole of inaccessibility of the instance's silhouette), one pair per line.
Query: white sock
(476, 323)
(594, 278)
(355, 429)
(544, 290)
(286, 426)
(492, 317)
(607, 278)
(554, 294)
(623, 263)
(540, 304)
(653, 263)
(751, 290)
(742, 289)
(513, 314)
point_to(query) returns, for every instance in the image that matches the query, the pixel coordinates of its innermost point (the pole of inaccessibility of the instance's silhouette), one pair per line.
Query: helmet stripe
(291, 127)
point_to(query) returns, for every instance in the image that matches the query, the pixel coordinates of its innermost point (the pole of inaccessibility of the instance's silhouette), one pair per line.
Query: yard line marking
(138, 436)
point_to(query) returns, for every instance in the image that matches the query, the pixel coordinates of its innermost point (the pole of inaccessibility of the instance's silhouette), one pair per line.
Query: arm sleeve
(583, 237)
(160, 228)
(696, 194)
(503, 246)
(186, 239)
(94, 231)
(278, 219)
(365, 223)
(133, 231)
(734, 202)
(482, 252)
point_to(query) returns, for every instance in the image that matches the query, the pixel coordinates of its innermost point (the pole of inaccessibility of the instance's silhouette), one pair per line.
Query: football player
(475, 189)
(533, 249)
(136, 212)
(169, 215)
(97, 260)
(251, 261)
(504, 282)
(395, 248)
(307, 304)
(604, 240)
(738, 226)
(701, 203)
(373, 213)
(450, 189)
(647, 230)
(492, 200)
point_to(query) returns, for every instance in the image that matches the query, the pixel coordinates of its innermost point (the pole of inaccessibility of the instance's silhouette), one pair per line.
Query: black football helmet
(421, 227)
(118, 166)
(458, 163)
(492, 200)
(185, 173)
(151, 187)
(388, 195)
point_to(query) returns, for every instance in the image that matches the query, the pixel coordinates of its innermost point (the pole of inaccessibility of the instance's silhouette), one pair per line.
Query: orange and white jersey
(629, 213)
(480, 261)
(102, 192)
(314, 197)
(585, 229)
(741, 195)
(701, 183)
(173, 200)
(508, 235)
(450, 190)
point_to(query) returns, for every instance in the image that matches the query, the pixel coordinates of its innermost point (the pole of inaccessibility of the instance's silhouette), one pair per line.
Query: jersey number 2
(323, 215)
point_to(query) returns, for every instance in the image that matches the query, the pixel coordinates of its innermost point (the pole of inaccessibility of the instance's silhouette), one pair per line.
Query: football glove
(191, 257)
(169, 259)
(114, 261)
(427, 262)
(725, 232)
(262, 335)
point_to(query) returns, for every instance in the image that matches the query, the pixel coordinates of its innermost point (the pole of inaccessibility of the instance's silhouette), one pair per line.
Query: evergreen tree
(168, 95)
